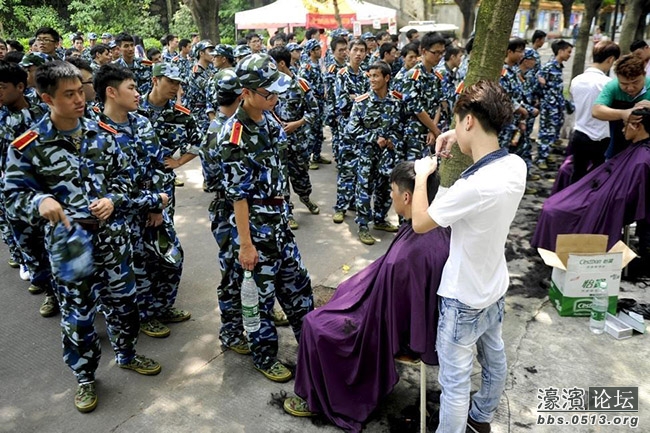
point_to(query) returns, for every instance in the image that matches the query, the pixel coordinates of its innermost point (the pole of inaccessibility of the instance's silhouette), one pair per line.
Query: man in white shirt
(479, 207)
(591, 136)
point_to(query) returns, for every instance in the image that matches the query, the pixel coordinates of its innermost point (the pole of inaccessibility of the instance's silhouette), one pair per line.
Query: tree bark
(591, 11)
(633, 12)
(566, 12)
(468, 9)
(206, 17)
(493, 27)
(337, 13)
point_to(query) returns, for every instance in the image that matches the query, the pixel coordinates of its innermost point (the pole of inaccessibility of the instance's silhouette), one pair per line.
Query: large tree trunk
(532, 15)
(633, 11)
(566, 12)
(206, 17)
(493, 27)
(468, 9)
(337, 13)
(591, 10)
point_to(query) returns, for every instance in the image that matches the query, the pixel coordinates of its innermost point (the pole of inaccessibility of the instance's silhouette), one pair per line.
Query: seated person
(611, 196)
(346, 355)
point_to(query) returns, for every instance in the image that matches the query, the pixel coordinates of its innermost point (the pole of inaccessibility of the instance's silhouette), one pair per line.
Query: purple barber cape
(606, 199)
(346, 355)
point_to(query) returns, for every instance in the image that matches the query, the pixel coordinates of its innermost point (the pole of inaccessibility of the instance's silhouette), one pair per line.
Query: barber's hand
(52, 211)
(426, 166)
(444, 143)
(248, 257)
(102, 208)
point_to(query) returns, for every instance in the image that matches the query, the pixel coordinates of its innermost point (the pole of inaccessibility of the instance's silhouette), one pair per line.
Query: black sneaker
(477, 427)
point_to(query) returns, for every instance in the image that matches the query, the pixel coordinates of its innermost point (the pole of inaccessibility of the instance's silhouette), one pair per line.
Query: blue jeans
(460, 327)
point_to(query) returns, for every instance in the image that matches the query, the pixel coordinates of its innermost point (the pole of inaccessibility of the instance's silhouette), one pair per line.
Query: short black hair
(12, 73)
(153, 51)
(385, 48)
(338, 41)
(110, 75)
(410, 33)
(538, 34)
(183, 43)
(645, 117)
(98, 49)
(430, 39)
(123, 37)
(14, 56)
(15, 45)
(452, 50)
(382, 67)
(70, 51)
(403, 175)
(310, 32)
(380, 34)
(603, 50)
(80, 64)
(77, 37)
(48, 31)
(516, 44)
(281, 54)
(170, 38)
(360, 42)
(639, 43)
(50, 74)
(412, 47)
(559, 45)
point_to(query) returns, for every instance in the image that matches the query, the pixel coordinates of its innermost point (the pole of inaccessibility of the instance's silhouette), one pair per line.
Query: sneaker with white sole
(143, 365)
(25, 275)
(85, 399)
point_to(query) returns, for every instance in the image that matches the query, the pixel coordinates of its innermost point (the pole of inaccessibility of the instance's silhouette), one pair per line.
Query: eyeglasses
(45, 40)
(437, 52)
(267, 96)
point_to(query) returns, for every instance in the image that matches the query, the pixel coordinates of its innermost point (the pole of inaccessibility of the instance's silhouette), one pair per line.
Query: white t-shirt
(585, 88)
(479, 210)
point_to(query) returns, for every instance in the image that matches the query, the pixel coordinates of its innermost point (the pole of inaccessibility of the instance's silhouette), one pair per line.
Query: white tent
(292, 13)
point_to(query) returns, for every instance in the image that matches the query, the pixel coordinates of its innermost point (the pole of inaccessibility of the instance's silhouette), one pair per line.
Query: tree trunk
(493, 27)
(468, 9)
(337, 13)
(206, 17)
(591, 10)
(170, 14)
(566, 12)
(640, 29)
(633, 12)
(532, 15)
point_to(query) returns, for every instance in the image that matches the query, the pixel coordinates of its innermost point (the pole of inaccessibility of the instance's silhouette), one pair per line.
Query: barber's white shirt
(585, 88)
(479, 210)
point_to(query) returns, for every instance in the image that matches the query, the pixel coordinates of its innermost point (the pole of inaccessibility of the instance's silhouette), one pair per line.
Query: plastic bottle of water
(250, 303)
(599, 303)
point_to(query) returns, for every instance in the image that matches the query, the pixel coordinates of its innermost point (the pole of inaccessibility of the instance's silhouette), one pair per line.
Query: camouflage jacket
(421, 91)
(297, 102)
(448, 84)
(373, 117)
(311, 72)
(349, 85)
(140, 145)
(553, 91)
(329, 82)
(185, 65)
(75, 172)
(167, 56)
(211, 156)
(198, 97)
(15, 123)
(85, 54)
(512, 82)
(531, 88)
(141, 68)
(175, 127)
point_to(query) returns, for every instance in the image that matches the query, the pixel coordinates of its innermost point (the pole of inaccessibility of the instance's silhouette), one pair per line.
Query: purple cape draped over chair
(603, 202)
(346, 354)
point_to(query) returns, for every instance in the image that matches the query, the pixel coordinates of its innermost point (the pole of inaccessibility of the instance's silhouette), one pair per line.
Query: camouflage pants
(112, 286)
(170, 178)
(316, 136)
(336, 141)
(7, 233)
(157, 281)
(551, 119)
(228, 290)
(298, 165)
(280, 273)
(415, 142)
(347, 175)
(371, 186)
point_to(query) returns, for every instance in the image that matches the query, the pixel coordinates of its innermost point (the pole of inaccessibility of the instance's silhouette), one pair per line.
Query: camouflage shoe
(320, 159)
(542, 165)
(386, 227)
(85, 399)
(277, 372)
(13, 264)
(313, 165)
(153, 328)
(178, 182)
(49, 307)
(279, 318)
(143, 365)
(365, 237)
(34, 289)
(174, 315)
(530, 191)
(313, 207)
(293, 224)
(338, 217)
(240, 348)
(296, 406)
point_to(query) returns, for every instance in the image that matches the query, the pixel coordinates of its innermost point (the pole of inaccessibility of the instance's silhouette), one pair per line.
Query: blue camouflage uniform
(531, 99)
(421, 91)
(313, 74)
(199, 96)
(75, 170)
(141, 69)
(331, 117)
(448, 84)
(254, 170)
(552, 107)
(349, 85)
(373, 117)
(156, 282)
(512, 82)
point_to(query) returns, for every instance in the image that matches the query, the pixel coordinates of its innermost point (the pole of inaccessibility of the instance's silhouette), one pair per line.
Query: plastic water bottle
(250, 303)
(599, 304)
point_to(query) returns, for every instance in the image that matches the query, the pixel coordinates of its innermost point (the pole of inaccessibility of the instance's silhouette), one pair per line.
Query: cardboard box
(580, 263)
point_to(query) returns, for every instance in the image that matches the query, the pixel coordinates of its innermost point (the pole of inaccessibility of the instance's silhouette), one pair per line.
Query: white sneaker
(25, 275)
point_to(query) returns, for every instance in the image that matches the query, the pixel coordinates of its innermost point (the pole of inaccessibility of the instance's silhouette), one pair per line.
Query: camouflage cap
(169, 70)
(528, 54)
(34, 59)
(241, 51)
(225, 51)
(259, 71)
(311, 45)
(112, 44)
(92, 36)
(293, 47)
(106, 35)
(368, 35)
(339, 32)
(226, 81)
(201, 46)
(71, 253)
(159, 242)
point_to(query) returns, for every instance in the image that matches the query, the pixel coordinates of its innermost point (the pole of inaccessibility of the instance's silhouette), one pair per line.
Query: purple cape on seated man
(614, 194)
(346, 354)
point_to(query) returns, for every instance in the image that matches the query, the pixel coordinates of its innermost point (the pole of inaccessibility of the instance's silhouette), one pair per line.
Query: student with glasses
(47, 40)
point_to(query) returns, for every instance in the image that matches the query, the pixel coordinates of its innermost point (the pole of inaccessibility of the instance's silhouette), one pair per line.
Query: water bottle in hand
(250, 303)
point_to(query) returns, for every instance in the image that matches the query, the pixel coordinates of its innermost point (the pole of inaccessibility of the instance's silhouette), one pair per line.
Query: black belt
(90, 224)
(268, 201)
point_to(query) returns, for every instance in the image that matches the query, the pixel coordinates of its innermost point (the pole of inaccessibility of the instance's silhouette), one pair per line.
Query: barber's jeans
(460, 327)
